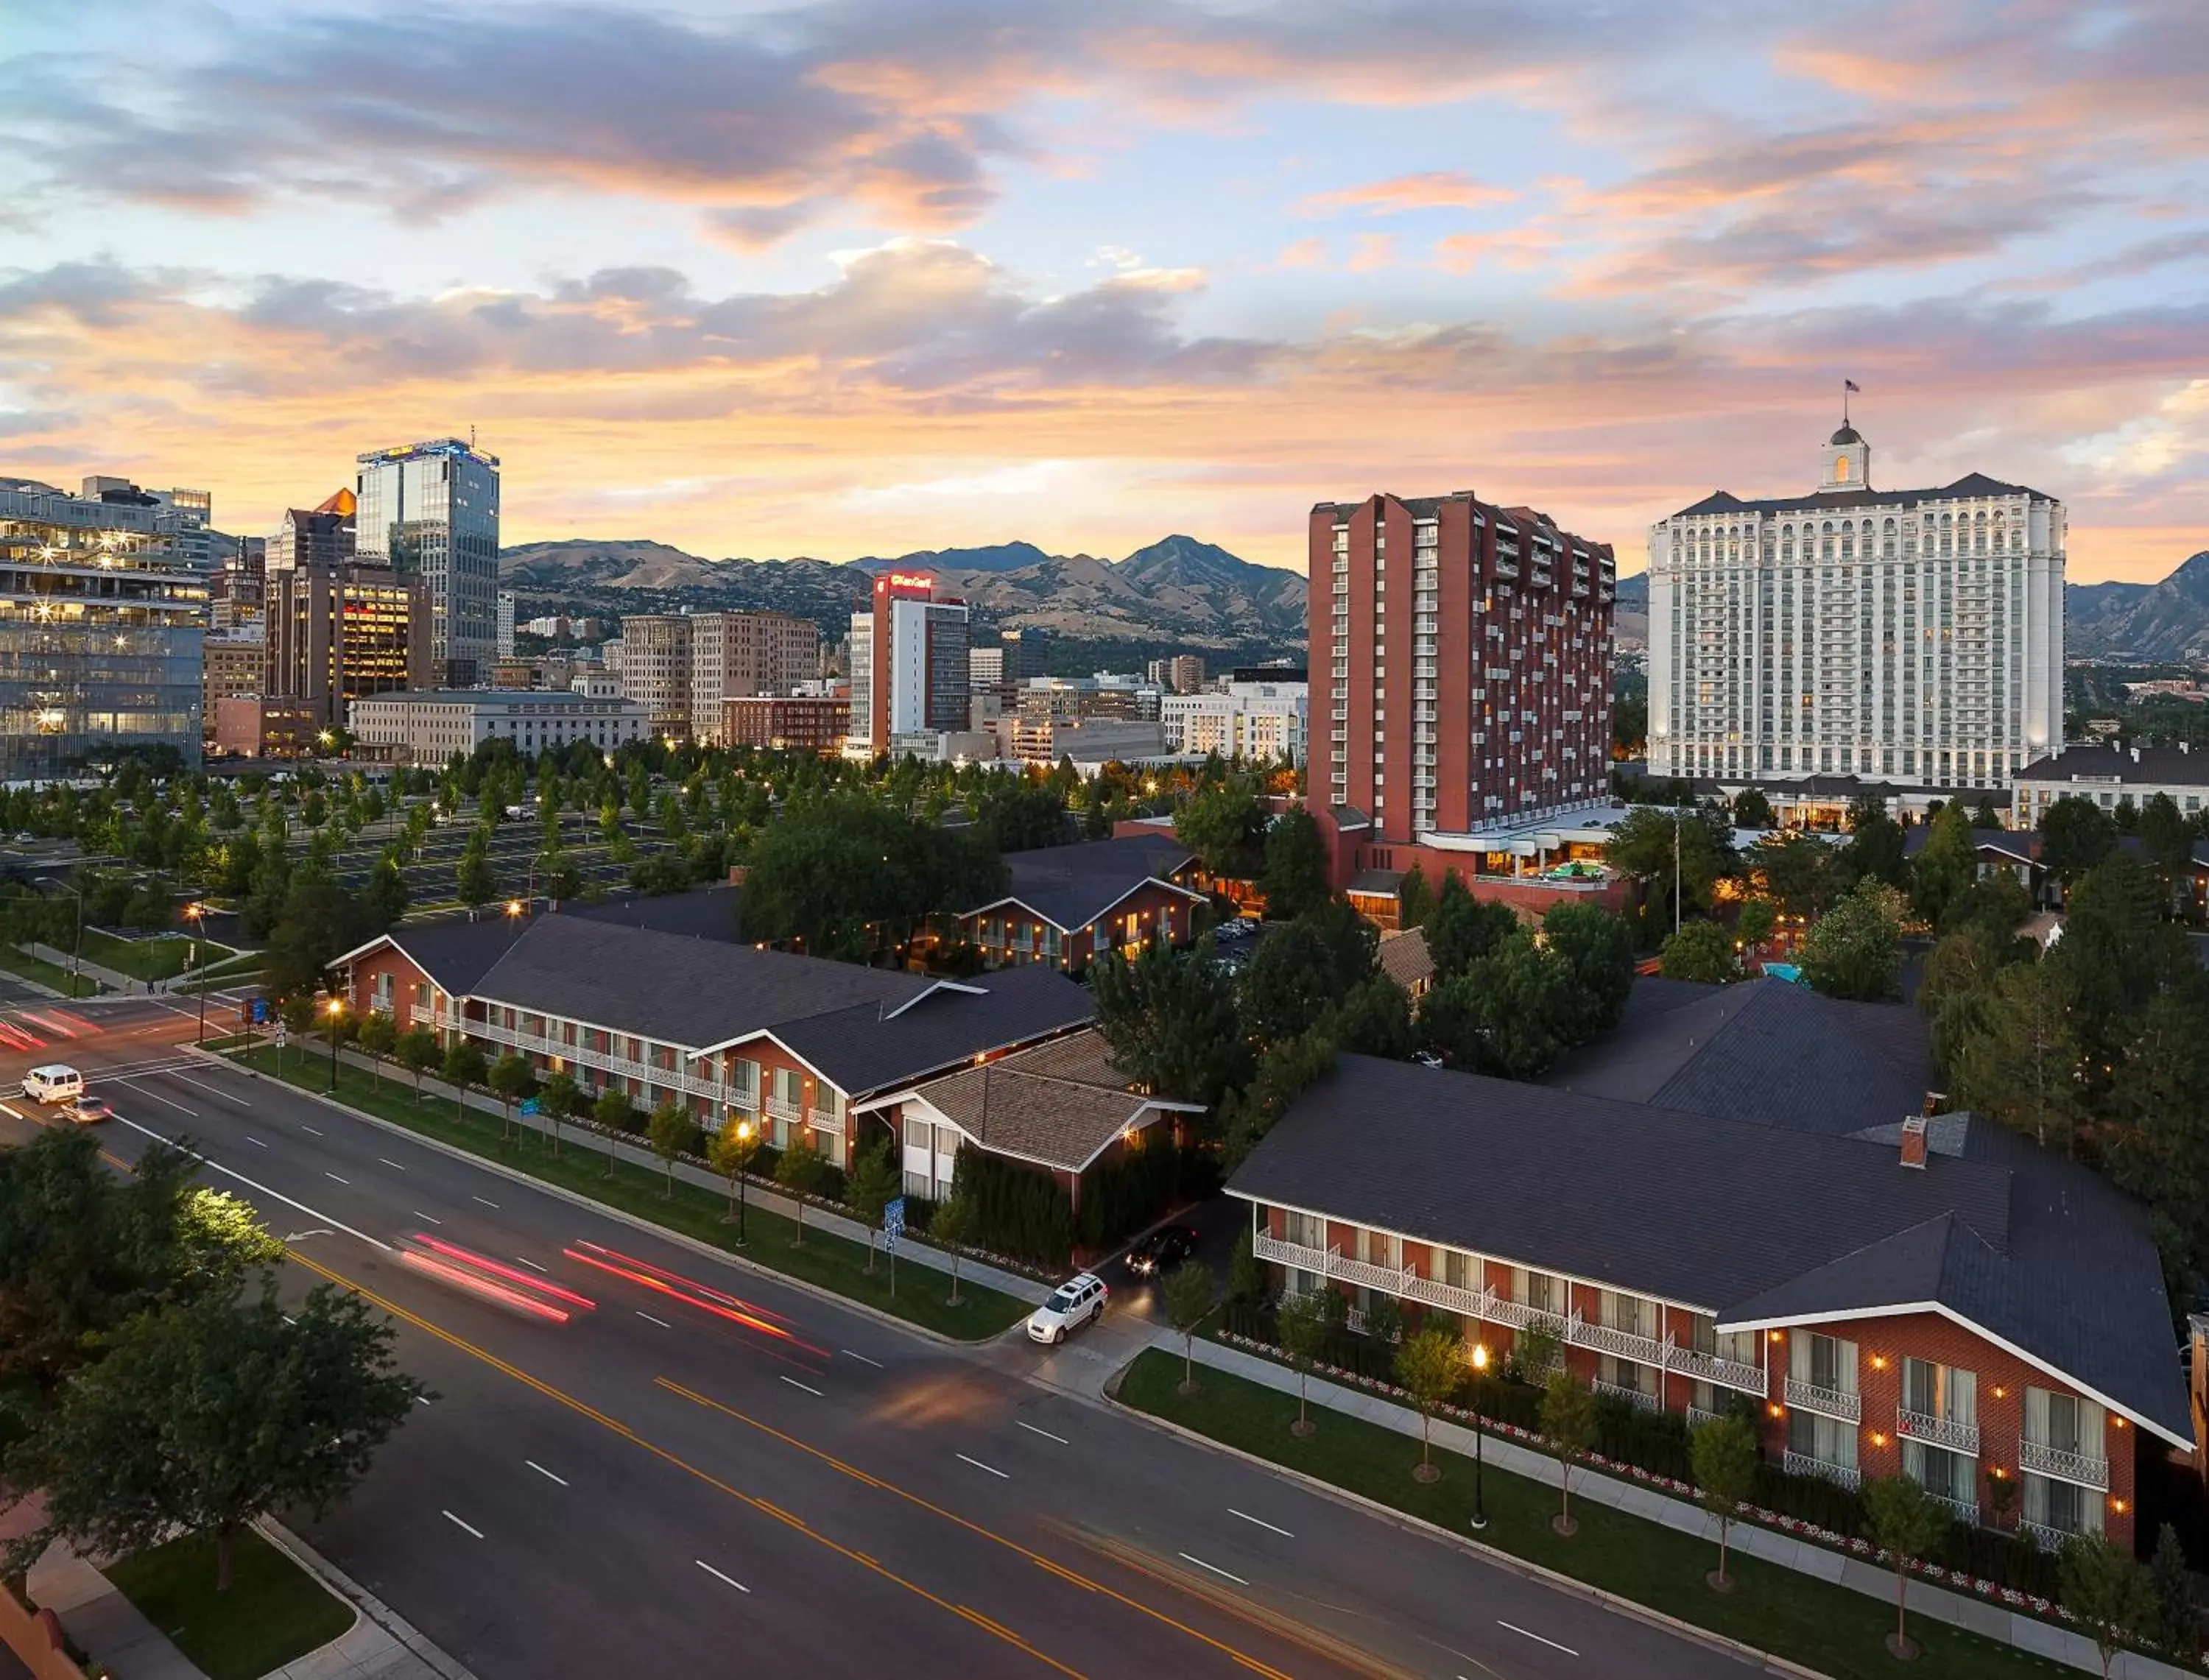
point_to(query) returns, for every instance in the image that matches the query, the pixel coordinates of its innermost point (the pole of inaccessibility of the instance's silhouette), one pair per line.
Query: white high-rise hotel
(1911, 636)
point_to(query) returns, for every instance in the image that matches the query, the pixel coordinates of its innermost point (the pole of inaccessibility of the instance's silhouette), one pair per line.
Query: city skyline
(851, 281)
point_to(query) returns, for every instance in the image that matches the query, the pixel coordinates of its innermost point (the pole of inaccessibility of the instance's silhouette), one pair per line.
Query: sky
(877, 276)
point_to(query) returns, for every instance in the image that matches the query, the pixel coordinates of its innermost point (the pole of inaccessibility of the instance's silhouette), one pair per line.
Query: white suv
(1072, 1304)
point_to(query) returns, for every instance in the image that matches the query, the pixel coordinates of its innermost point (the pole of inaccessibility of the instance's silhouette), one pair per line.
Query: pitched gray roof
(1071, 885)
(456, 955)
(1059, 1103)
(1743, 1218)
(1970, 486)
(2165, 767)
(863, 1052)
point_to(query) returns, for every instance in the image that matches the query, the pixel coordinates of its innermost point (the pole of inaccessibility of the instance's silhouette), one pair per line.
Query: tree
(2104, 1588)
(1302, 971)
(1172, 1020)
(1428, 1368)
(1598, 951)
(671, 1130)
(1701, 951)
(874, 1183)
(845, 873)
(2119, 951)
(2178, 1624)
(474, 883)
(1222, 826)
(418, 1053)
(513, 1079)
(802, 1173)
(1796, 871)
(1246, 1276)
(614, 1112)
(1948, 864)
(1569, 1420)
(207, 1415)
(1284, 1073)
(1188, 1296)
(1754, 923)
(1643, 845)
(83, 1251)
(1751, 809)
(1019, 815)
(952, 1229)
(2075, 835)
(1510, 1014)
(2167, 840)
(378, 1037)
(383, 901)
(1855, 949)
(1303, 1324)
(1876, 848)
(556, 1101)
(318, 921)
(2022, 1064)
(1294, 880)
(1723, 1451)
(1905, 1523)
(464, 1070)
(729, 1152)
(1375, 1019)
(1462, 929)
(1415, 900)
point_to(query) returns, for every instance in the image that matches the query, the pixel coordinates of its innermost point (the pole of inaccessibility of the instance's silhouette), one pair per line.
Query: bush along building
(997, 1076)
(1762, 1219)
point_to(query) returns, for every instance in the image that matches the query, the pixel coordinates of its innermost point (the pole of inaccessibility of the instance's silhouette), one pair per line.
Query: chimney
(1913, 1142)
(2135, 755)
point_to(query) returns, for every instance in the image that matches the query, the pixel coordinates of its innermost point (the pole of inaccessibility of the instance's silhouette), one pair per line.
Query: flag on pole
(1851, 385)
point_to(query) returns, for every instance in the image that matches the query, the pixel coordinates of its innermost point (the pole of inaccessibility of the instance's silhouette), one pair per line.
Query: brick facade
(1011, 934)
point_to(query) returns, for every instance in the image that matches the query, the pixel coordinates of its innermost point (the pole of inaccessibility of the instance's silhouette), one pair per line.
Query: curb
(1763, 1660)
(368, 1608)
(637, 1222)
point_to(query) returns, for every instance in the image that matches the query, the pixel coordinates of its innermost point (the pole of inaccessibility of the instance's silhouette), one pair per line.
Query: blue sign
(259, 1012)
(529, 1105)
(893, 1224)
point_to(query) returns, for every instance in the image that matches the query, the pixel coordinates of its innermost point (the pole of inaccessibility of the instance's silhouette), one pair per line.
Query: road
(673, 1475)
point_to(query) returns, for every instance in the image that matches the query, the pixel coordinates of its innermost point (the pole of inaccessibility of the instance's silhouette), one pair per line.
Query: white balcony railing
(1627, 1344)
(2067, 1467)
(2049, 1539)
(727, 1094)
(1829, 1402)
(1697, 1416)
(1964, 1510)
(1647, 1402)
(1937, 1431)
(1802, 1464)
(1710, 1368)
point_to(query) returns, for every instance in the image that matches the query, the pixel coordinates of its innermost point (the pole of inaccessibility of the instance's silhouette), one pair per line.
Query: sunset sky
(866, 277)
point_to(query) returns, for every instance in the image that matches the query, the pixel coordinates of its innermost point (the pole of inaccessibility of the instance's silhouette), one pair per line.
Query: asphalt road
(675, 1481)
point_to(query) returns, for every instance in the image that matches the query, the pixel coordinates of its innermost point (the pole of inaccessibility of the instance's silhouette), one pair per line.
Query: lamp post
(1479, 1433)
(336, 1008)
(197, 914)
(744, 1130)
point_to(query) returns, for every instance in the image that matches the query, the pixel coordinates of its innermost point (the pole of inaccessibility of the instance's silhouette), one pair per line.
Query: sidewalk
(913, 1251)
(113, 978)
(1992, 1621)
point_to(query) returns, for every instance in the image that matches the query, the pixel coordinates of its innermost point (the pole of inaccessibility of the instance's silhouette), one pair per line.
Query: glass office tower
(101, 623)
(431, 510)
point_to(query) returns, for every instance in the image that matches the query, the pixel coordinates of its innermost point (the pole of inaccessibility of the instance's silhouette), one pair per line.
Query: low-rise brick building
(1775, 1220)
(1066, 906)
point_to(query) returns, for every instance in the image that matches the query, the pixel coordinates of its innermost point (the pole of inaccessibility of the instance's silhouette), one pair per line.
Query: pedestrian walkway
(759, 1192)
(113, 978)
(1994, 1622)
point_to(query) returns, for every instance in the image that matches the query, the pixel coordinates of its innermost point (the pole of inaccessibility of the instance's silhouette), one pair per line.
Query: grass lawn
(160, 958)
(274, 1613)
(1824, 1627)
(31, 968)
(239, 962)
(830, 1262)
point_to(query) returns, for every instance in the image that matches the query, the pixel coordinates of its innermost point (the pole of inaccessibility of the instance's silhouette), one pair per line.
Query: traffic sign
(259, 1012)
(892, 1223)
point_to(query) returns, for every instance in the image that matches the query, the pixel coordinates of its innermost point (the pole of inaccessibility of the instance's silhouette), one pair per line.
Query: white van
(54, 1083)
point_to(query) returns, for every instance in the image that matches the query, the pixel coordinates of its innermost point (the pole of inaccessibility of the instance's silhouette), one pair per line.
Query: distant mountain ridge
(1176, 590)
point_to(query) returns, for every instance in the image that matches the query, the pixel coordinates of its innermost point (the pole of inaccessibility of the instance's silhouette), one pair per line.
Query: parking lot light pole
(336, 1012)
(197, 913)
(1479, 1433)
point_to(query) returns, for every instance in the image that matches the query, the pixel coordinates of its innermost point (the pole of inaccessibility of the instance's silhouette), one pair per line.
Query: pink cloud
(1440, 189)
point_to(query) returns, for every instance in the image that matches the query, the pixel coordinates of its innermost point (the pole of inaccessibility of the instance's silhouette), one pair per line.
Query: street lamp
(336, 1008)
(197, 914)
(744, 1130)
(514, 907)
(1479, 1434)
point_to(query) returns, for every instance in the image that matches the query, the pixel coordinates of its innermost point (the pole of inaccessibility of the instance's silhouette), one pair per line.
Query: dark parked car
(1162, 1250)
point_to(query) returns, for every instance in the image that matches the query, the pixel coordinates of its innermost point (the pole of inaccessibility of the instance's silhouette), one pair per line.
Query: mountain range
(2157, 624)
(1177, 590)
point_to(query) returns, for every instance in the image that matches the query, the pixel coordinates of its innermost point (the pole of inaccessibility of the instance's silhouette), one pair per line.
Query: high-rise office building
(505, 606)
(338, 629)
(655, 668)
(735, 655)
(909, 663)
(1466, 682)
(1911, 636)
(101, 627)
(430, 510)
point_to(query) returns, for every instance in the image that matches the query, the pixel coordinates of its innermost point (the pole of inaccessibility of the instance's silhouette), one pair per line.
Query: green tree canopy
(1875, 848)
(1855, 949)
(846, 874)
(1018, 814)
(1643, 846)
(1222, 826)
(2075, 835)
(1294, 879)
(1701, 951)
(1509, 1014)
(1302, 971)
(207, 1414)
(1598, 951)
(874, 1183)
(1461, 929)
(1947, 864)
(1172, 1020)
(1797, 871)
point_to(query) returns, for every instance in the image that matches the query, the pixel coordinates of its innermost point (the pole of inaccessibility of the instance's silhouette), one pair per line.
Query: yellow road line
(582, 1409)
(973, 1527)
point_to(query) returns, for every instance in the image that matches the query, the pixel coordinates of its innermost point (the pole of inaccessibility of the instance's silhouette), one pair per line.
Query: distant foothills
(1177, 593)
